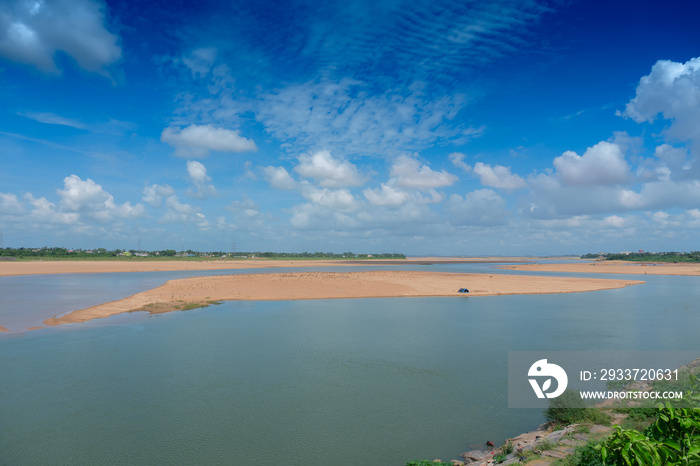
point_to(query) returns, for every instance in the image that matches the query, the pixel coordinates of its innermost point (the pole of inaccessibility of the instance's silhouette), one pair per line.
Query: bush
(569, 408)
(585, 455)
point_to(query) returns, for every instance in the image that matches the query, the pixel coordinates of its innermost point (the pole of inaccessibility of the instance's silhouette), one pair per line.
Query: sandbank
(3, 329)
(619, 267)
(188, 293)
(110, 266)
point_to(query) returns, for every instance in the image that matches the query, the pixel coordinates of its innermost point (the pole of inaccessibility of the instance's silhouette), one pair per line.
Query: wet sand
(620, 267)
(106, 266)
(195, 292)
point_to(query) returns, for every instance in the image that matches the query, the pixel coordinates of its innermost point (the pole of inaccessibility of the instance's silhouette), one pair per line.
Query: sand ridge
(8, 268)
(193, 292)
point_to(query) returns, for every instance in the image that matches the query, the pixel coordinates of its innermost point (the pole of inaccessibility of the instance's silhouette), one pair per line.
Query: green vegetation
(171, 254)
(671, 435)
(569, 408)
(588, 455)
(648, 256)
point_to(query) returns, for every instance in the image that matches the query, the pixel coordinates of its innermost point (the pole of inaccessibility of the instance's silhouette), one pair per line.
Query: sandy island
(620, 267)
(189, 293)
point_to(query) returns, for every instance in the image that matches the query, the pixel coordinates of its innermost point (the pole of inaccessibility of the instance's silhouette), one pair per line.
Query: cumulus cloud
(10, 205)
(672, 89)
(481, 207)
(31, 32)
(386, 196)
(198, 176)
(279, 178)
(198, 140)
(180, 213)
(407, 172)
(602, 164)
(335, 199)
(155, 194)
(90, 199)
(498, 176)
(328, 171)
(44, 211)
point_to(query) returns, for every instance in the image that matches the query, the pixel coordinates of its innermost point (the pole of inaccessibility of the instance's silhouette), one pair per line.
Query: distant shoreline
(12, 268)
(189, 293)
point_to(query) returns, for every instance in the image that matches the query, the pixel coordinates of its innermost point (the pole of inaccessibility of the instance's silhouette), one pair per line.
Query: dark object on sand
(463, 290)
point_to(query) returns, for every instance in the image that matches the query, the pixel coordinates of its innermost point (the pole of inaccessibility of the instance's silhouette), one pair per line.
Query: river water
(346, 382)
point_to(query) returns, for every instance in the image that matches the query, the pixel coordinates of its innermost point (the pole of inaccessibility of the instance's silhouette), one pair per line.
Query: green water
(343, 382)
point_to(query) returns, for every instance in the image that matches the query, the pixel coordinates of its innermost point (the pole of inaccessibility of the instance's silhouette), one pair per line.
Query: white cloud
(279, 178)
(86, 196)
(45, 211)
(346, 118)
(602, 164)
(31, 32)
(200, 61)
(317, 217)
(481, 207)
(173, 204)
(498, 176)
(673, 90)
(457, 159)
(53, 119)
(407, 172)
(328, 171)
(198, 140)
(10, 205)
(335, 199)
(89, 199)
(386, 196)
(241, 206)
(198, 175)
(179, 213)
(202, 222)
(155, 193)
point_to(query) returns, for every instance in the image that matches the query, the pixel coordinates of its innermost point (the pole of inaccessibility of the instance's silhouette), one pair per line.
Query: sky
(420, 127)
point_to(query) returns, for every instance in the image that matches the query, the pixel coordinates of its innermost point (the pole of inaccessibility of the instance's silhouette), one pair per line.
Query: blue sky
(422, 127)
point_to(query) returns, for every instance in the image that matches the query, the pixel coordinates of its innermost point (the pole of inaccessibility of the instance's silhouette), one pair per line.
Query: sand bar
(620, 267)
(200, 291)
(3, 329)
(98, 266)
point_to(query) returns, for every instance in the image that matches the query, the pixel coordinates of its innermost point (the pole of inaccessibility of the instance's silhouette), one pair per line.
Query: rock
(555, 436)
(490, 444)
(457, 463)
(475, 455)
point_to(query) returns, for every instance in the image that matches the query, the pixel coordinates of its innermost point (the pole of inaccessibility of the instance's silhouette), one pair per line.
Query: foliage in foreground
(672, 439)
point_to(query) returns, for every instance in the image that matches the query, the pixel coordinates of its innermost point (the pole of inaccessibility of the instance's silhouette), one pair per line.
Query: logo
(542, 368)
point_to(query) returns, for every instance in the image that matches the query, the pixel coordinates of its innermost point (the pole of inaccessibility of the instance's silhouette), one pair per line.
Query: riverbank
(107, 266)
(195, 292)
(619, 267)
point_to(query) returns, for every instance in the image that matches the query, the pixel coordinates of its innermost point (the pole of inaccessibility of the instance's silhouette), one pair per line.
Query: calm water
(348, 382)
